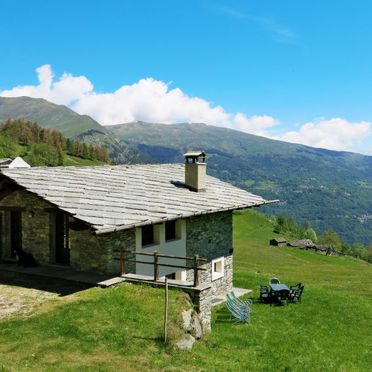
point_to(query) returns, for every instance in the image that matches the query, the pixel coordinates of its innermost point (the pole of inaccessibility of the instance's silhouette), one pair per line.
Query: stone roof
(4, 162)
(119, 197)
(18, 162)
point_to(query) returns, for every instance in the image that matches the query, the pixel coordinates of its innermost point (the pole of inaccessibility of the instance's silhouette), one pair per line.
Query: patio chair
(274, 281)
(240, 312)
(295, 293)
(264, 294)
(247, 302)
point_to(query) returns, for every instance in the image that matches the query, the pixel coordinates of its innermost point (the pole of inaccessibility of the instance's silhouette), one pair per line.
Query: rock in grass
(198, 332)
(185, 343)
(186, 320)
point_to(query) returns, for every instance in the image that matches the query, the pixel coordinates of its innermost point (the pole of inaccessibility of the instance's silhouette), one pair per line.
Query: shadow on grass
(58, 286)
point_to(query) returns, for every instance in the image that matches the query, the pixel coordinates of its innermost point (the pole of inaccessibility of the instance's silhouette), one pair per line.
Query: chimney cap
(194, 153)
(195, 157)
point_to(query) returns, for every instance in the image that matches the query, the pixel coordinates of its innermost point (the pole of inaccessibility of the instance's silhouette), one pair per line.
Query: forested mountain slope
(46, 114)
(68, 122)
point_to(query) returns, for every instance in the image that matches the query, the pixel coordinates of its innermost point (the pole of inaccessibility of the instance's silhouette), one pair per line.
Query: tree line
(46, 146)
(330, 238)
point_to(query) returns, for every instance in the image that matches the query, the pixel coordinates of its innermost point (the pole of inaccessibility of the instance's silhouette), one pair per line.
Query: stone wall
(113, 243)
(100, 253)
(35, 224)
(210, 236)
(202, 300)
(223, 285)
(88, 252)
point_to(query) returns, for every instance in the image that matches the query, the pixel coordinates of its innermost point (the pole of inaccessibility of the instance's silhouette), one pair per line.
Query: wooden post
(196, 271)
(166, 310)
(121, 262)
(156, 266)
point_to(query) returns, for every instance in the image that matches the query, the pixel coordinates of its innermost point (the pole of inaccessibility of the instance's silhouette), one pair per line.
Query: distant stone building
(279, 242)
(84, 216)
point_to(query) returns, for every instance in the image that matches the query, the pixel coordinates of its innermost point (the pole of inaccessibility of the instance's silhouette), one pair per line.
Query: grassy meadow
(120, 328)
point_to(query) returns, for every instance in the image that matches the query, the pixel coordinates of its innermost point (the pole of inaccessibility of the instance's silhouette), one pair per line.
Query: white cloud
(155, 101)
(65, 91)
(255, 124)
(147, 100)
(333, 134)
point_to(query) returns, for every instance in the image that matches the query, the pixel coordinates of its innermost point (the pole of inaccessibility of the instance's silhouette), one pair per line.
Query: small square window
(170, 230)
(147, 235)
(217, 268)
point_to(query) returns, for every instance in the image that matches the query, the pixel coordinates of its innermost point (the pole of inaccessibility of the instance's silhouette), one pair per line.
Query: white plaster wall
(175, 247)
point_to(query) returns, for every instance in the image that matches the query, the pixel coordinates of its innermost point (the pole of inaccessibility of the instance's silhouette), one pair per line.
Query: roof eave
(188, 215)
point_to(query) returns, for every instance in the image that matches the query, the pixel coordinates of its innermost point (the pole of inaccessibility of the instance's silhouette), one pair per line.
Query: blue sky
(294, 70)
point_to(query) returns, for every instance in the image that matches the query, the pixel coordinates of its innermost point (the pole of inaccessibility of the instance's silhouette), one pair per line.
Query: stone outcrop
(192, 324)
(185, 343)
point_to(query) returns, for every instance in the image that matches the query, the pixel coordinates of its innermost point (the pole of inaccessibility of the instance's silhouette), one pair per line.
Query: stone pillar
(202, 299)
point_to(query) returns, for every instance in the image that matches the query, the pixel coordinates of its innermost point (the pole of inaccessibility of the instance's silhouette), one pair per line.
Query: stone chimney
(195, 170)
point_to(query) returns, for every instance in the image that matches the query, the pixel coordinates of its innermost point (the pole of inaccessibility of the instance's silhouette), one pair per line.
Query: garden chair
(295, 293)
(247, 302)
(264, 294)
(239, 311)
(274, 281)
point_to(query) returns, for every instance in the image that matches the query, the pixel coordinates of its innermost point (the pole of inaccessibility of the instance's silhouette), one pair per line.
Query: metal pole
(166, 310)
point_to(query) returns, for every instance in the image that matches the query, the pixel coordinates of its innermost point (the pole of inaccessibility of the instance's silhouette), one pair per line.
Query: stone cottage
(84, 216)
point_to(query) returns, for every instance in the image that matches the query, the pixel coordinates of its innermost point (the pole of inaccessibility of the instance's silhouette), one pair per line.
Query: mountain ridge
(46, 114)
(68, 122)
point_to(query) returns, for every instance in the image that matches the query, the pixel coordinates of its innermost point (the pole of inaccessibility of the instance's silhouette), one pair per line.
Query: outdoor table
(279, 293)
(279, 287)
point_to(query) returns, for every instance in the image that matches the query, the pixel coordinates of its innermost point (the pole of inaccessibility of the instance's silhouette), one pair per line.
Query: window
(170, 230)
(217, 268)
(181, 275)
(147, 235)
(178, 275)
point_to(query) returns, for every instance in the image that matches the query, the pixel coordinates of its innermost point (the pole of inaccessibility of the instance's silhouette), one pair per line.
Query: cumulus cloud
(156, 101)
(65, 91)
(146, 100)
(255, 124)
(333, 134)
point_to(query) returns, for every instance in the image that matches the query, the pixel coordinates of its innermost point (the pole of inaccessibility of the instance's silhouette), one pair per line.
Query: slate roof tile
(123, 196)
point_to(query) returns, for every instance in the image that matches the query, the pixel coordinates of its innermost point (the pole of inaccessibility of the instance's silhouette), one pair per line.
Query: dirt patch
(21, 301)
(21, 295)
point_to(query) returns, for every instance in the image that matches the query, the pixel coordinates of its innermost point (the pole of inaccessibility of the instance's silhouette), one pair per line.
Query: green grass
(121, 328)
(330, 330)
(95, 329)
(69, 160)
